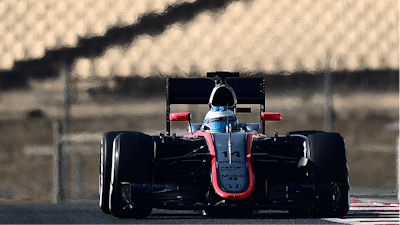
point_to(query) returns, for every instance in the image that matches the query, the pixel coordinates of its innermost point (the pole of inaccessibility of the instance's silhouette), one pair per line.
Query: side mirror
(271, 116)
(180, 116)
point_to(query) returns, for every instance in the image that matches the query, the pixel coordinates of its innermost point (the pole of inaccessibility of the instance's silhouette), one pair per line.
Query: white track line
(370, 213)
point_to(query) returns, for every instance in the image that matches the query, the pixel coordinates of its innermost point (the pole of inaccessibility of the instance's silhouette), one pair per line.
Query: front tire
(132, 162)
(105, 169)
(328, 163)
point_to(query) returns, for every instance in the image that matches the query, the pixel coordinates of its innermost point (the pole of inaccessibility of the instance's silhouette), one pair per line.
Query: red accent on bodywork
(211, 147)
(179, 116)
(271, 116)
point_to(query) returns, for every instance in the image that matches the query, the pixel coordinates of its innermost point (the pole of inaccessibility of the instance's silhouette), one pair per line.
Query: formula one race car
(222, 166)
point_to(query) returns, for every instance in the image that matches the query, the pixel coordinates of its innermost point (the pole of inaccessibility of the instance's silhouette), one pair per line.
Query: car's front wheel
(105, 169)
(131, 163)
(328, 164)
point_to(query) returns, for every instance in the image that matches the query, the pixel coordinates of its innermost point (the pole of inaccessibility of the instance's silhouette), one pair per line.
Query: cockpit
(220, 120)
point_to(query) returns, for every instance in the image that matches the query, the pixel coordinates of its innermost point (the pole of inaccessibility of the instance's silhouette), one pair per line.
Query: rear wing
(198, 90)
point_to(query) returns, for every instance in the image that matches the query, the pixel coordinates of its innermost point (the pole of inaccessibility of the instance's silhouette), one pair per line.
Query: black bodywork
(182, 177)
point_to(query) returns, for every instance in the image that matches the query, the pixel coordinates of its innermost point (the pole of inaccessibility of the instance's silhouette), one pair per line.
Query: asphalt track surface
(91, 214)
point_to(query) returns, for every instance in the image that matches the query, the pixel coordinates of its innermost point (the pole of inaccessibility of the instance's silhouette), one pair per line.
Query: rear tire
(105, 169)
(328, 163)
(132, 162)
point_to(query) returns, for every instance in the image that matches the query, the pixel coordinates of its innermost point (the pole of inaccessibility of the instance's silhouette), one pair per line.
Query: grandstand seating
(259, 35)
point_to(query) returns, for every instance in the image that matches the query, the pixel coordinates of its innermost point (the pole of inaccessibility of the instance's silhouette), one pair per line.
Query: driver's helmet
(218, 118)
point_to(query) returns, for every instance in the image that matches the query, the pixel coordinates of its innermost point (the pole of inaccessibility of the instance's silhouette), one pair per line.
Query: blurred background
(101, 65)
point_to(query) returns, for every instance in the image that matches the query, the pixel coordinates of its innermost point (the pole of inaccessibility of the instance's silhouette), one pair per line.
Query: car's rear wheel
(131, 162)
(328, 164)
(105, 169)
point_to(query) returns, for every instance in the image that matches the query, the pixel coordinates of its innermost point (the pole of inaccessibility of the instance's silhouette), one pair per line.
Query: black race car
(222, 166)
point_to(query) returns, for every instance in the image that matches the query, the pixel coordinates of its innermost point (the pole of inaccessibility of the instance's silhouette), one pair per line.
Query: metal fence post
(329, 115)
(65, 72)
(59, 131)
(58, 187)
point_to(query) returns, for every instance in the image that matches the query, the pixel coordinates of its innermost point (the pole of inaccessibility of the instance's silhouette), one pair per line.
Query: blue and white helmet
(218, 118)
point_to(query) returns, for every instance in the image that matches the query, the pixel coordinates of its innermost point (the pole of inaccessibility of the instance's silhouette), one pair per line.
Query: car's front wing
(180, 196)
